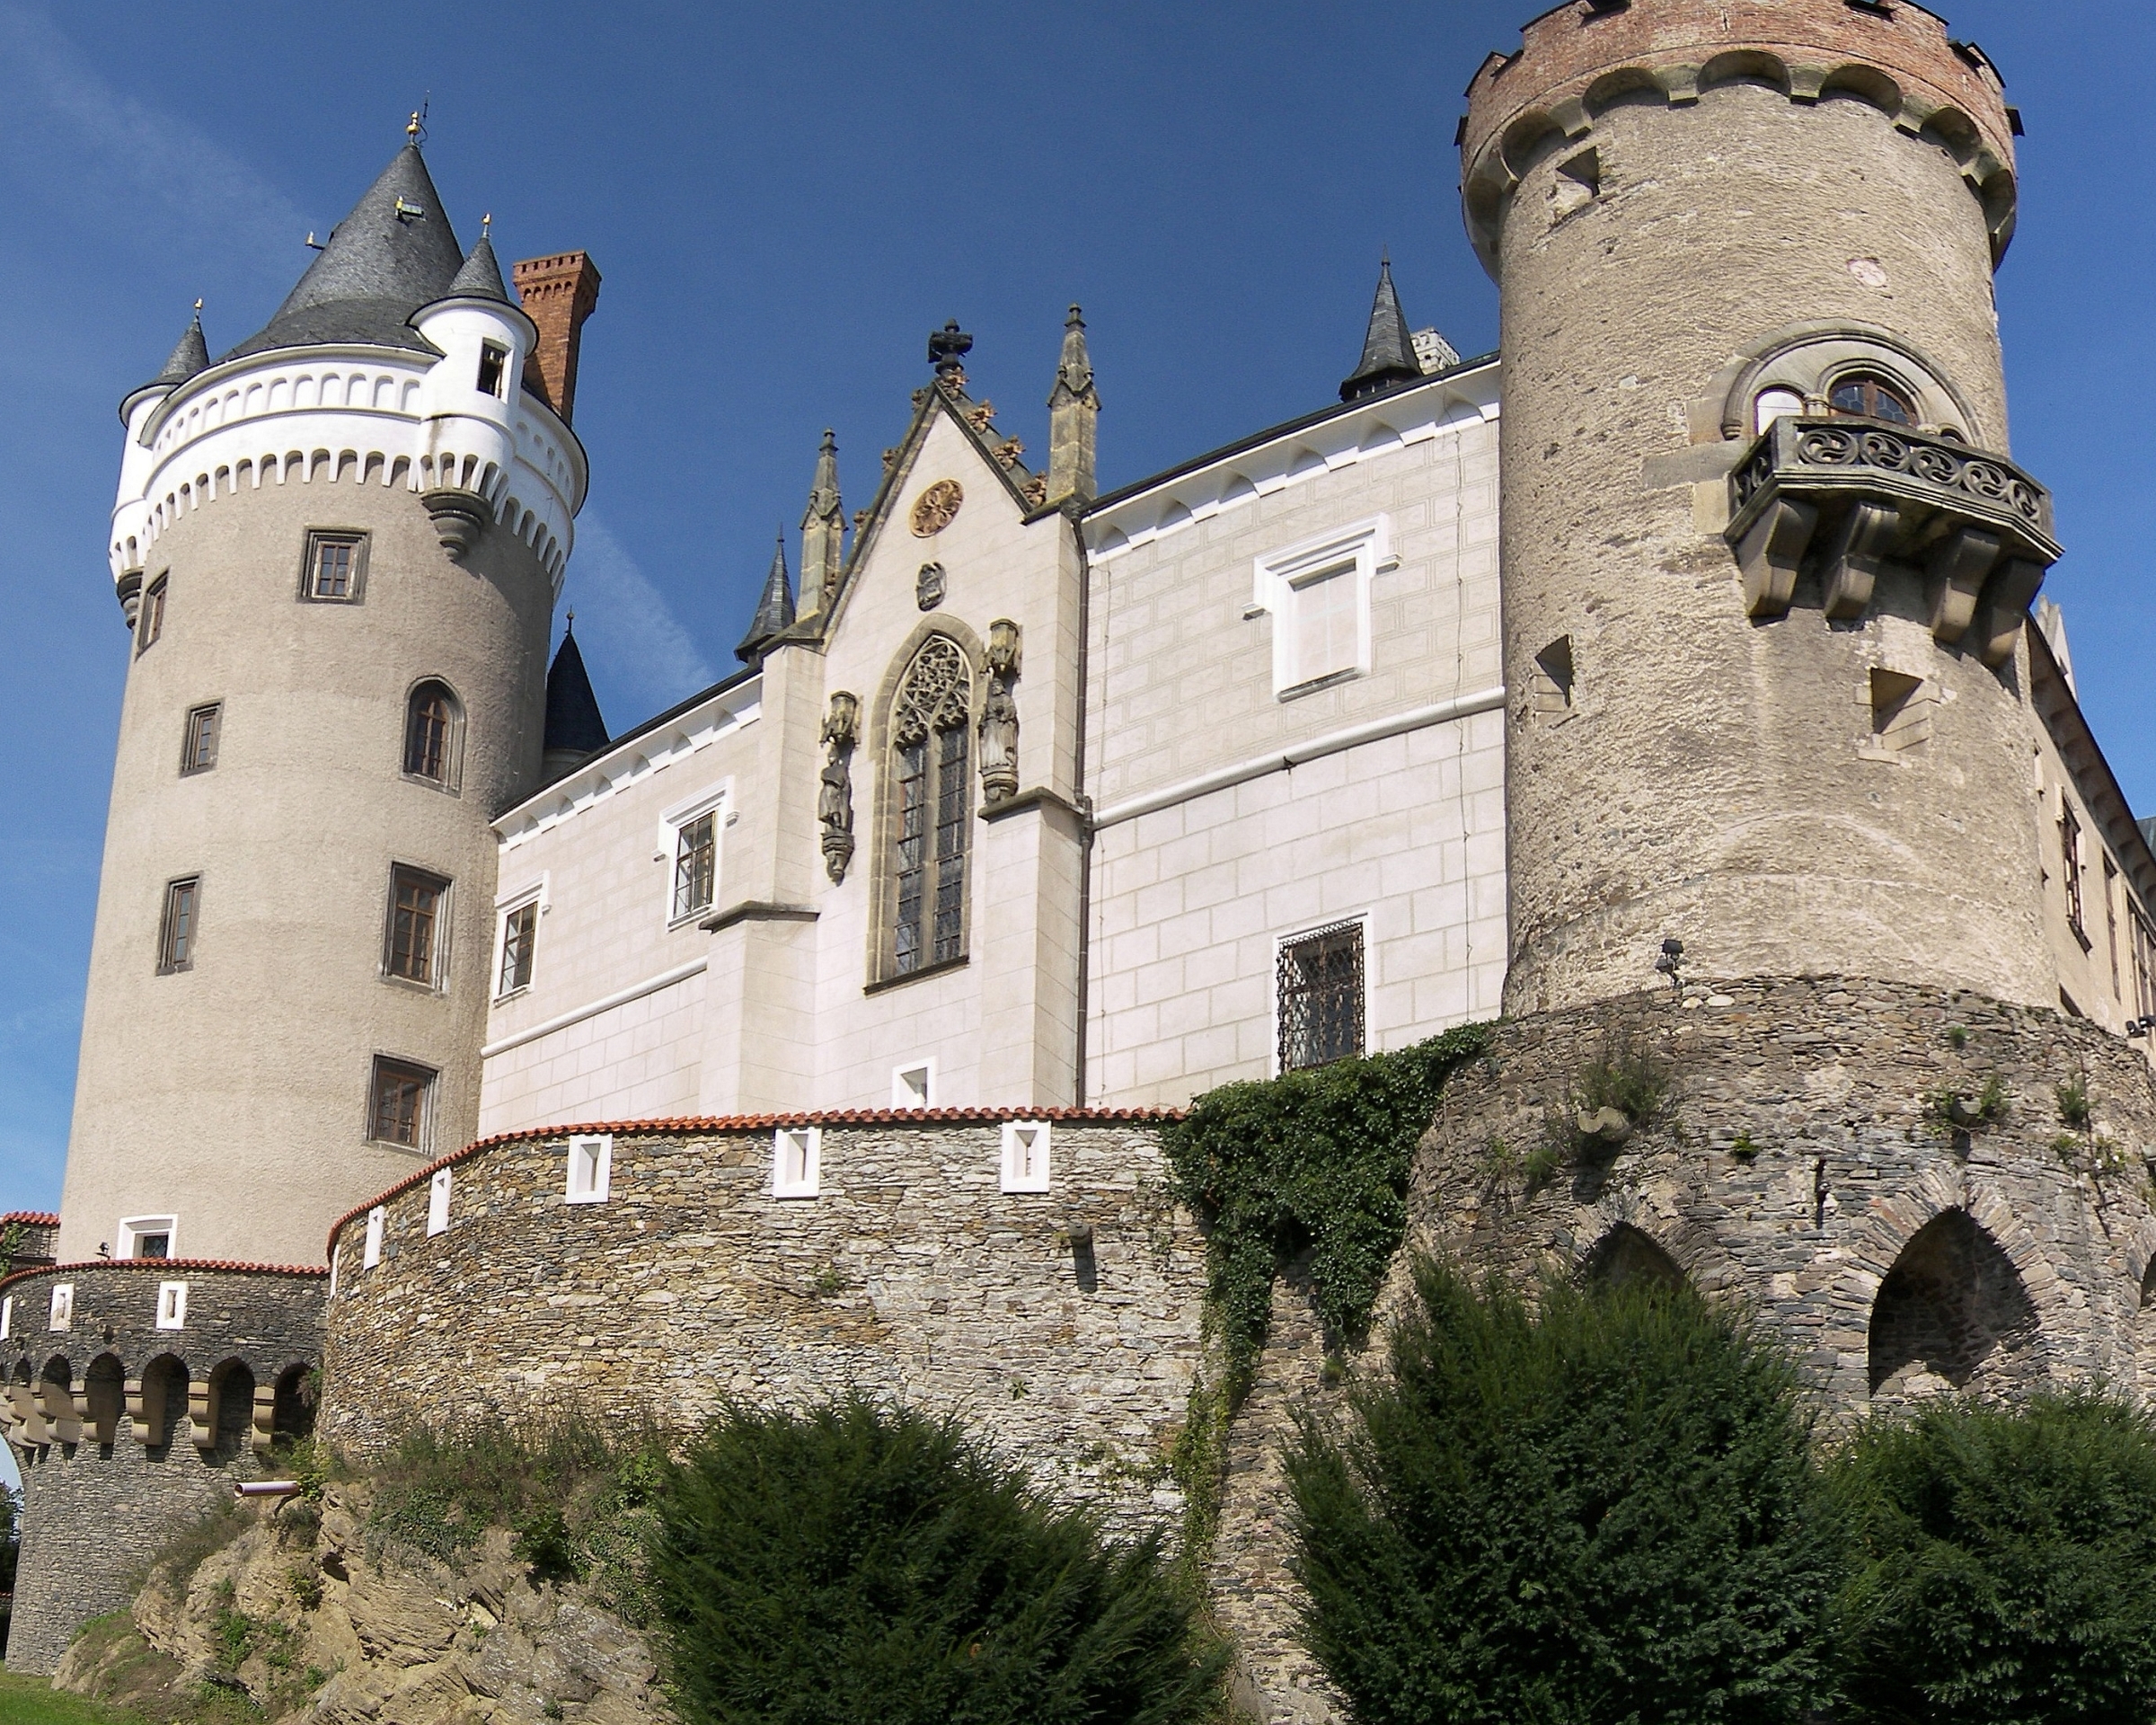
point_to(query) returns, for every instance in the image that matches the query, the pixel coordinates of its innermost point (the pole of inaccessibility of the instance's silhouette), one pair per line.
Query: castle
(1674, 667)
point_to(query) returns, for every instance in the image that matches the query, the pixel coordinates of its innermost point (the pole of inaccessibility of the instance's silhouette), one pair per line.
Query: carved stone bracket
(460, 517)
(834, 795)
(999, 716)
(1853, 500)
(129, 589)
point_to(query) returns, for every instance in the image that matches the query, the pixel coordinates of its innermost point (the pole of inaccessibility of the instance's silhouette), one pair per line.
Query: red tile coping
(35, 1219)
(752, 1123)
(165, 1263)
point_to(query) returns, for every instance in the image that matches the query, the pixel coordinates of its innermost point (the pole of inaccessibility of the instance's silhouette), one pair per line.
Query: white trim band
(1374, 731)
(620, 997)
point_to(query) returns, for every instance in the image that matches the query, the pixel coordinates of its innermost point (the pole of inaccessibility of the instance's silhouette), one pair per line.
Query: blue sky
(784, 199)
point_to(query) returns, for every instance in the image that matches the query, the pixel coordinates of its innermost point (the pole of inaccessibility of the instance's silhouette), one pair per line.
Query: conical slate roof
(573, 725)
(392, 255)
(190, 355)
(775, 610)
(481, 278)
(1389, 348)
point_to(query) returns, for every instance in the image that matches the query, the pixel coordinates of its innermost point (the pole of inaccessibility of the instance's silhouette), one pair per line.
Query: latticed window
(334, 564)
(930, 728)
(415, 925)
(397, 1110)
(695, 864)
(430, 734)
(1321, 984)
(199, 745)
(1871, 398)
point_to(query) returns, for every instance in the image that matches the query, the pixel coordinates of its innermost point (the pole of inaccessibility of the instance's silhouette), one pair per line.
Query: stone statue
(999, 716)
(834, 793)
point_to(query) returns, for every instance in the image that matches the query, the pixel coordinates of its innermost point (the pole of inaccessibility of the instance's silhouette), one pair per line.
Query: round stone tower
(1766, 560)
(338, 549)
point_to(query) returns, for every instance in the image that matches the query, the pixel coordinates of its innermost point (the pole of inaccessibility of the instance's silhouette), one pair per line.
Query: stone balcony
(1851, 500)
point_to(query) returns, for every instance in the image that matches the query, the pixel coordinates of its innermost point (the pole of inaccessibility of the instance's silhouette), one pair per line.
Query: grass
(32, 1700)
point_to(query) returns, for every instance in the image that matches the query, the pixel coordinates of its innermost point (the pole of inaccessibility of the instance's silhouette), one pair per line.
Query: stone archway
(1627, 1256)
(1952, 1313)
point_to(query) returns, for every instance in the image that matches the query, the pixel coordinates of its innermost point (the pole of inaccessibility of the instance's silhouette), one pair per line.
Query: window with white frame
(149, 1236)
(692, 840)
(590, 1168)
(797, 1161)
(516, 939)
(60, 1314)
(371, 1253)
(1026, 1156)
(1318, 593)
(171, 1305)
(437, 1203)
(914, 1085)
(7, 1317)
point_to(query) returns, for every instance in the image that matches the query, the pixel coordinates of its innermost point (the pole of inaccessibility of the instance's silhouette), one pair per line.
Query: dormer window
(494, 367)
(1868, 396)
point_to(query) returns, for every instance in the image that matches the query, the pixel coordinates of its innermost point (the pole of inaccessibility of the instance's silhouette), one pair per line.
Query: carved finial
(572, 625)
(947, 350)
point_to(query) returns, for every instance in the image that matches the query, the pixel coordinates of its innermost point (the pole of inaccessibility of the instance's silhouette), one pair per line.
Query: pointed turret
(823, 532)
(574, 729)
(775, 610)
(1074, 418)
(480, 277)
(392, 255)
(189, 355)
(1389, 348)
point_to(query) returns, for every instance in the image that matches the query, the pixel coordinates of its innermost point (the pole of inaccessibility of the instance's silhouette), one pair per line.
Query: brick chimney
(558, 295)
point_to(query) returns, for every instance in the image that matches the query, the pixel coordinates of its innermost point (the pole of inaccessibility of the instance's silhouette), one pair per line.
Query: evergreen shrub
(2005, 1565)
(1601, 1509)
(852, 1562)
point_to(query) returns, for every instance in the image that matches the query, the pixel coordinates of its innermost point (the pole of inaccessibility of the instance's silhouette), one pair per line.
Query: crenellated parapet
(1581, 59)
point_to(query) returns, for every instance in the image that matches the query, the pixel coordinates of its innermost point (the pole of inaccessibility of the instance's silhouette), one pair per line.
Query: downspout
(1084, 804)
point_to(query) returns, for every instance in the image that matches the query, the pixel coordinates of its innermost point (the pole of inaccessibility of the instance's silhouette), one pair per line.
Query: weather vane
(416, 128)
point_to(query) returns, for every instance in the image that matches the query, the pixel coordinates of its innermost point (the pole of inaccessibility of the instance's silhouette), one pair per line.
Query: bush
(1603, 1510)
(2006, 1565)
(854, 1563)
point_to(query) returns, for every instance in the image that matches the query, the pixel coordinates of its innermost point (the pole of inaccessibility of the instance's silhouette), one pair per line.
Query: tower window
(152, 623)
(2070, 861)
(398, 1106)
(1866, 396)
(198, 743)
(176, 935)
(336, 568)
(147, 1236)
(417, 901)
(171, 1304)
(931, 725)
(695, 864)
(494, 367)
(1321, 1004)
(1901, 712)
(520, 931)
(433, 735)
(797, 1162)
(1552, 683)
(2111, 922)
(1025, 1159)
(590, 1169)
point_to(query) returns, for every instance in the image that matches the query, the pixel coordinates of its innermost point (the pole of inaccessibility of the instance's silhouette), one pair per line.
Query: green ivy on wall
(1314, 1161)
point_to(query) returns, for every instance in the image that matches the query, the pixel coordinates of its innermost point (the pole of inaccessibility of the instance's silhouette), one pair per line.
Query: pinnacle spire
(823, 531)
(775, 609)
(1389, 347)
(1073, 418)
(574, 729)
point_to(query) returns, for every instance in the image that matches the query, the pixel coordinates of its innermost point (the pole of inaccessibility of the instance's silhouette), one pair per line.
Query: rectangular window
(151, 622)
(199, 745)
(437, 1203)
(2070, 859)
(176, 935)
(2144, 963)
(147, 1236)
(1321, 983)
(7, 1317)
(519, 930)
(60, 1314)
(1901, 712)
(590, 1169)
(797, 1154)
(2111, 923)
(398, 1110)
(912, 842)
(494, 367)
(1318, 594)
(1327, 625)
(695, 864)
(171, 1305)
(336, 568)
(951, 845)
(417, 901)
(1026, 1156)
(914, 1086)
(371, 1253)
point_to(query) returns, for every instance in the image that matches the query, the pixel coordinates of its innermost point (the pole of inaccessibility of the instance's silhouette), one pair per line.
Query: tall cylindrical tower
(337, 548)
(1766, 560)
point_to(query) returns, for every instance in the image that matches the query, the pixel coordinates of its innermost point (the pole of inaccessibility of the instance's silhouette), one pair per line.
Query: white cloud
(629, 637)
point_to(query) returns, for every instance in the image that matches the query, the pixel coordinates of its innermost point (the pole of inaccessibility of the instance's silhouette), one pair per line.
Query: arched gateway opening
(1951, 1313)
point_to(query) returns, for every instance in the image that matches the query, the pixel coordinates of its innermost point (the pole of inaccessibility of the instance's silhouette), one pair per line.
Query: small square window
(171, 1305)
(418, 903)
(147, 1236)
(177, 931)
(1320, 1003)
(796, 1156)
(914, 1086)
(335, 571)
(494, 367)
(590, 1169)
(198, 743)
(519, 933)
(437, 1203)
(1026, 1156)
(400, 1105)
(150, 624)
(60, 1314)
(695, 864)
(371, 1253)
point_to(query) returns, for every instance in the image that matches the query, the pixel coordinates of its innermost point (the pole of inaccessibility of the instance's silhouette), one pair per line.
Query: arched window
(434, 735)
(930, 806)
(1867, 395)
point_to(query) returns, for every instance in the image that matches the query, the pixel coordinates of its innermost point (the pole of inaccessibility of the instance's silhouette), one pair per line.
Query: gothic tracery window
(930, 730)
